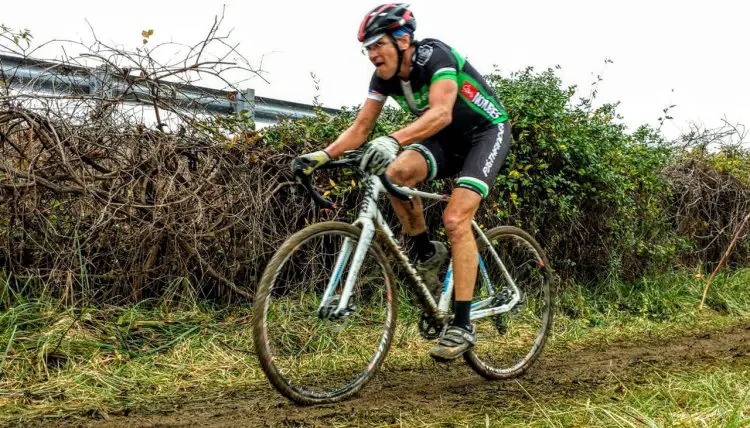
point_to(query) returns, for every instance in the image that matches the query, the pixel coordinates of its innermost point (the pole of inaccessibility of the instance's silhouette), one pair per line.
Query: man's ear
(404, 41)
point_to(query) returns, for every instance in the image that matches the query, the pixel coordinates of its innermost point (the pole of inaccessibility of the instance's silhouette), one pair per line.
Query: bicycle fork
(365, 221)
(368, 231)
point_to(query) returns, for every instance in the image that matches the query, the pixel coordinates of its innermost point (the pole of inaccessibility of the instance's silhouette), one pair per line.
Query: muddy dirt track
(434, 389)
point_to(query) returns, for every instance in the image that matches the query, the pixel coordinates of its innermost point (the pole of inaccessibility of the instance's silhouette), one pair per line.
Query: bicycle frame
(371, 221)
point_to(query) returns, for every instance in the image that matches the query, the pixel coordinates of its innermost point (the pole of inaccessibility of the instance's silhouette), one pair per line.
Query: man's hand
(308, 163)
(379, 153)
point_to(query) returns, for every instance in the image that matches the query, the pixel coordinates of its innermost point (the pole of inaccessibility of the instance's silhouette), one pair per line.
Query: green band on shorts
(424, 151)
(475, 184)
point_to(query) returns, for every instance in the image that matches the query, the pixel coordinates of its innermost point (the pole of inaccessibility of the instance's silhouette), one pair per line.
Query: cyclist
(461, 130)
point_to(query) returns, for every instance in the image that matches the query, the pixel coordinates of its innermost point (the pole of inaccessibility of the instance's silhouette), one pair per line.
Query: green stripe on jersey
(445, 75)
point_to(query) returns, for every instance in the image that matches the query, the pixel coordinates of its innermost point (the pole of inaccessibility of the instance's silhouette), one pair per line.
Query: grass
(709, 397)
(96, 361)
(57, 361)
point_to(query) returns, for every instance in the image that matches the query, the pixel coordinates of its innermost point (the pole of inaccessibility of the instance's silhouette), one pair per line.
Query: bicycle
(302, 309)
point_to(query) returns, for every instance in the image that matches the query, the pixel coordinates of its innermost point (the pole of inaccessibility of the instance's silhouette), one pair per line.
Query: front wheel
(509, 343)
(310, 356)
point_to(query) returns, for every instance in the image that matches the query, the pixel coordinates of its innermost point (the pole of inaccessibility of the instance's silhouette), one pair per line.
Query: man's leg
(457, 218)
(488, 152)
(409, 169)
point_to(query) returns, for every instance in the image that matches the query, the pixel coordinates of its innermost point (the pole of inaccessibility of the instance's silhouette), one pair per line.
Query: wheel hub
(329, 311)
(503, 297)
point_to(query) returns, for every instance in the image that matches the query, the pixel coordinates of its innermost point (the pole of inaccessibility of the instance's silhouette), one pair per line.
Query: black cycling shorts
(475, 157)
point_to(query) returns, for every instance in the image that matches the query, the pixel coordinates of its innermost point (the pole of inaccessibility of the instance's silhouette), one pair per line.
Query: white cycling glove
(379, 153)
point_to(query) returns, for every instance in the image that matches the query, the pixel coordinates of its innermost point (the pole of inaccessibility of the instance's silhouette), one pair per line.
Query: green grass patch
(668, 297)
(57, 361)
(713, 397)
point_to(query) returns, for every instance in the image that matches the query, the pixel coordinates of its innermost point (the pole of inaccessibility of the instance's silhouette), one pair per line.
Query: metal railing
(59, 78)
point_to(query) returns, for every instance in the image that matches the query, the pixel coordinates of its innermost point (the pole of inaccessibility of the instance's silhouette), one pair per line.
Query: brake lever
(319, 200)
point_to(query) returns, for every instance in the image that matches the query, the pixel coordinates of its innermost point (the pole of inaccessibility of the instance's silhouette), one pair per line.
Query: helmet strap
(400, 56)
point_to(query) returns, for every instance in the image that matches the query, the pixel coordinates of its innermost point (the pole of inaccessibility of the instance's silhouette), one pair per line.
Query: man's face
(383, 56)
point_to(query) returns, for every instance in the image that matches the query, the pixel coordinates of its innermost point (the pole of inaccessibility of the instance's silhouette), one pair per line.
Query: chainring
(428, 327)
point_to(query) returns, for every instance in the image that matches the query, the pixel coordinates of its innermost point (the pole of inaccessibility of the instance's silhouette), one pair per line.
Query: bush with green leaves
(604, 202)
(589, 191)
(592, 192)
(599, 198)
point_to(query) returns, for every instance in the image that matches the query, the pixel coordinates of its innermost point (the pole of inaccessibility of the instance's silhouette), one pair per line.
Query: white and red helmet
(386, 19)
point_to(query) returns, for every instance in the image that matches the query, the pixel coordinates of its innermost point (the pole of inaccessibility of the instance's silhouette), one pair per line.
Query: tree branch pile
(711, 190)
(98, 200)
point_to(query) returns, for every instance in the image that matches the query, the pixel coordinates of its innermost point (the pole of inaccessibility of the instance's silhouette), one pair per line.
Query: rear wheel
(509, 343)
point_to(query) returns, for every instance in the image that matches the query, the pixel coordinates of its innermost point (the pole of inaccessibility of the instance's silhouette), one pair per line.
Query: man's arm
(357, 133)
(443, 95)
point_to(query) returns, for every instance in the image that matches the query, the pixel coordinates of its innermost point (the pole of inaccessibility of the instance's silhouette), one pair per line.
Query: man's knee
(409, 169)
(457, 222)
(460, 212)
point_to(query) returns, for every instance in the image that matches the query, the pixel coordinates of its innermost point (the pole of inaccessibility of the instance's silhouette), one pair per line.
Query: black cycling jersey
(476, 107)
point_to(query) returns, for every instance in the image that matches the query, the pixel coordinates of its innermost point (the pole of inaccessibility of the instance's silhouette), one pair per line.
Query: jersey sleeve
(378, 89)
(438, 62)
